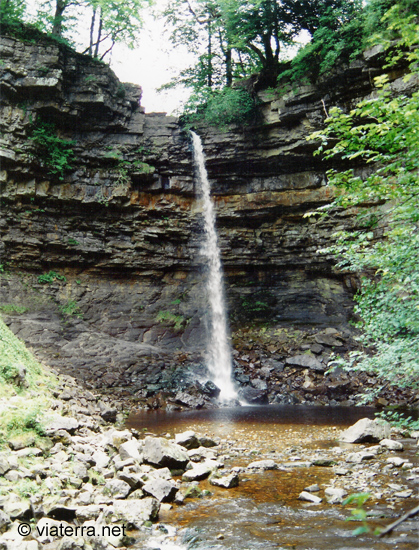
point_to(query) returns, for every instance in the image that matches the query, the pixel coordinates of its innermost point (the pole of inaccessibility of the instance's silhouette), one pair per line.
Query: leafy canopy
(382, 131)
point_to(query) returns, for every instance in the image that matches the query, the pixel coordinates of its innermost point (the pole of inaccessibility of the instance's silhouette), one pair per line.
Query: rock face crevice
(118, 236)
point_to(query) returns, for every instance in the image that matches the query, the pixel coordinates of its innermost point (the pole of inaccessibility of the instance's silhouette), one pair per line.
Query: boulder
(131, 449)
(4, 522)
(134, 513)
(366, 430)
(391, 445)
(4, 465)
(161, 453)
(161, 489)
(205, 441)
(309, 497)
(210, 389)
(328, 340)
(226, 482)
(306, 361)
(56, 422)
(253, 395)
(335, 495)
(198, 472)
(187, 439)
(263, 465)
(117, 488)
(17, 508)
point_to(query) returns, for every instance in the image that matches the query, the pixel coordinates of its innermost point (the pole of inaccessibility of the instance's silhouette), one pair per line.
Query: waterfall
(219, 360)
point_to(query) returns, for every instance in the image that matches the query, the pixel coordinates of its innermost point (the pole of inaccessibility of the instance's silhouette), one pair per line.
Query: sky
(153, 63)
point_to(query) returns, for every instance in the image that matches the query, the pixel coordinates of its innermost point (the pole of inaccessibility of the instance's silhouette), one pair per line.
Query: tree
(111, 21)
(383, 132)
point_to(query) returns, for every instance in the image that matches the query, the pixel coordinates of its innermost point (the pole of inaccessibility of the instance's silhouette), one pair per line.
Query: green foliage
(54, 152)
(12, 308)
(71, 308)
(220, 108)
(359, 513)
(382, 131)
(11, 12)
(50, 277)
(73, 242)
(398, 420)
(178, 321)
(337, 40)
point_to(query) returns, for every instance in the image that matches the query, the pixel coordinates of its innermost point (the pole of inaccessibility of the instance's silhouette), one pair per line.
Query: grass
(22, 402)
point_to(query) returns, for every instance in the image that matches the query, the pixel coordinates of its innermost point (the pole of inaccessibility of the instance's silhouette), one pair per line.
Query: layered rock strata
(101, 271)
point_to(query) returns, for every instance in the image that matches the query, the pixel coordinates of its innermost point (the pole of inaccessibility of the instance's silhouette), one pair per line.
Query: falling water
(218, 352)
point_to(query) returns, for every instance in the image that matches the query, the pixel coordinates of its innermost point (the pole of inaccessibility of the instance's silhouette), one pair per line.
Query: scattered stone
(335, 495)
(366, 430)
(227, 482)
(205, 441)
(135, 513)
(55, 423)
(188, 440)
(307, 361)
(162, 490)
(5, 521)
(198, 472)
(391, 445)
(130, 449)
(404, 494)
(263, 465)
(309, 497)
(17, 508)
(396, 461)
(328, 340)
(359, 457)
(312, 488)
(160, 452)
(117, 488)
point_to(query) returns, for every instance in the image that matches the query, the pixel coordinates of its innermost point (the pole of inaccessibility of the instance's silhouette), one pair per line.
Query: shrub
(54, 152)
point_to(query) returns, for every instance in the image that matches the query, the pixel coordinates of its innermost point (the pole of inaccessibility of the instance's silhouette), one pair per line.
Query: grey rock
(17, 508)
(5, 521)
(198, 472)
(309, 497)
(366, 430)
(187, 439)
(328, 340)
(263, 465)
(4, 465)
(205, 441)
(335, 495)
(259, 384)
(87, 513)
(117, 488)
(131, 449)
(57, 422)
(307, 361)
(162, 490)
(226, 482)
(160, 452)
(135, 513)
(312, 488)
(392, 445)
(253, 395)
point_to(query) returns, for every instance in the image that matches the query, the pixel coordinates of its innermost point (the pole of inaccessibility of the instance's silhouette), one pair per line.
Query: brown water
(264, 512)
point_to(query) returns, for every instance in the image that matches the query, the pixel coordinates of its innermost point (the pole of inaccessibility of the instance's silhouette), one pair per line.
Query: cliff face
(121, 231)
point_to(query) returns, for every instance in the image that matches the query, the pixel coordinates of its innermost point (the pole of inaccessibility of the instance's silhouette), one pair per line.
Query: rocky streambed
(176, 481)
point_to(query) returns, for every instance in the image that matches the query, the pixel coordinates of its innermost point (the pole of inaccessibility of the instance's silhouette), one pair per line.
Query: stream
(264, 512)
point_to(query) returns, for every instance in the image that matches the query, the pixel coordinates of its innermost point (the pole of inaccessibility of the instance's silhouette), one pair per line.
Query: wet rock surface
(121, 230)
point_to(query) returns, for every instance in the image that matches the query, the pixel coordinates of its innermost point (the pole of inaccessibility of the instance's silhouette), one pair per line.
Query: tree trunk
(92, 28)
(229, 67)
(210, 70)
(99, 36)
(57, 28)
